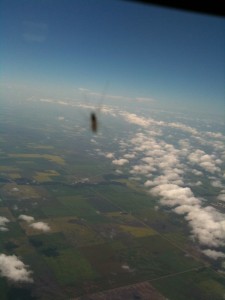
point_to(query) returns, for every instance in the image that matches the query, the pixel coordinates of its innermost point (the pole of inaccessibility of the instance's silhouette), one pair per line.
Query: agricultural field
(95, 244)
(83, 230)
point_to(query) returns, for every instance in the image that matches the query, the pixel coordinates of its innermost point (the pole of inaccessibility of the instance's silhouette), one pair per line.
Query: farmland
(93, 247)
(83, 230)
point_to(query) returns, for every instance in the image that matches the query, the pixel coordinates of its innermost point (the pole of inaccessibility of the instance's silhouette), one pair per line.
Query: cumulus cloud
(198, 183)
(119, 172)
(3, 222)
(206, 161)
(173, 195)
(213, 253)
(123, 144)
(36, 225)
(196, 172)
(159, 157)
(93, 141)
(109, 155)
(216, 183)
(3, 228)
(108, 110)
(26, 218)
(221, 197)
(216, 135)
(133, 118)
(183, 127)
(120, 162)
(208, 225)
(40, 226)
(144, 99)
(143, 169)
(14, 269)
(129, 155)
(166, 170)
(168, 177)
(166, 166)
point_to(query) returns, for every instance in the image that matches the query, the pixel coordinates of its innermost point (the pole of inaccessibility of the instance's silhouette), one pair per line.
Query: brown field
(40, 146)
(143, 290)
(54, 158)
(75, 231)
(20, 191)
(138, 231)
(45, 176)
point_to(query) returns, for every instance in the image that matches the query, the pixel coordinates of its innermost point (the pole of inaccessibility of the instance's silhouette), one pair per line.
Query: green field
(203, 284)
(97, 243)
(104, 233)
(70, 267)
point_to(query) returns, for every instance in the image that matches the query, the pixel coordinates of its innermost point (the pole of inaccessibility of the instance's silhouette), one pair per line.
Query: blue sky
(51, 48)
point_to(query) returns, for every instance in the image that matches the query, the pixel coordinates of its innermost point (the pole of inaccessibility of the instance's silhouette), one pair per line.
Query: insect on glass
(93, 116)
(94, 122)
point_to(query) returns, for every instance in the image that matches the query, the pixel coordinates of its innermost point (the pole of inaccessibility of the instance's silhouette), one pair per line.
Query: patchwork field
(94, 244)
(83, 231)
(53, 158)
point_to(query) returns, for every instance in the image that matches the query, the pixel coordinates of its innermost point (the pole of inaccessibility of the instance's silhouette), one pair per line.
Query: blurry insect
(94, 122)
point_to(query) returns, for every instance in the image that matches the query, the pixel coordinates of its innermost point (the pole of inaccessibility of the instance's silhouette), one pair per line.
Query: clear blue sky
(52, 47)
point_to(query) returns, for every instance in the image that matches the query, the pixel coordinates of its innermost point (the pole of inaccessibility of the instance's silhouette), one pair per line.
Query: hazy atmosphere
(132, 204)
(174, 58)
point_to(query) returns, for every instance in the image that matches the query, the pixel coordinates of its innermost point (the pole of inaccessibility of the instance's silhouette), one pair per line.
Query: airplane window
(112, 156)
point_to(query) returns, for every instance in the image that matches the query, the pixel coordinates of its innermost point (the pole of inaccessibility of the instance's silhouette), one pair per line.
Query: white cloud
(149, 183)
(94, 141)
(26, 218)
(108, 110)
(14, 269)
(123, 144)
(144, 99)
(109, 155)
(135, 178)
(2, 228)
(36, 225)
(83, 89)
(198, 183)
(164, 167)
(142, 169)
(183, 127)
(213, 253)
(196, 172)
(216, 183)
(206, 161)
(119, 172)
(221, 197)
(3, 222)
(216, 135)
(164, 160)
(46, 100)
(208, 225)
(133, 118)
(129, 155)
(40, 226)
(173, 195)
(120, 162)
